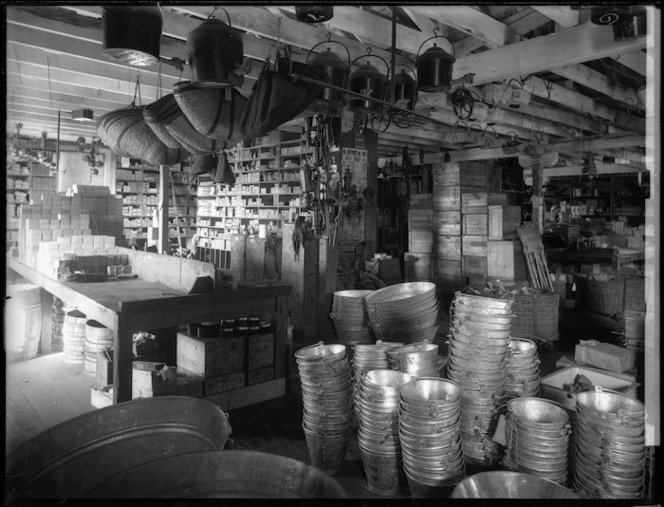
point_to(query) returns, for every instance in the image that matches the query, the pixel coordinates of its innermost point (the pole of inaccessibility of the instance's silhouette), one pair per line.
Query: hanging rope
(160, 92)
(18, 64)
(137, 91)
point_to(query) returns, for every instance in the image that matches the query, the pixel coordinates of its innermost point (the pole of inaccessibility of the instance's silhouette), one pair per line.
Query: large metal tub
(221, 474)
(509, 485)
(72, 458)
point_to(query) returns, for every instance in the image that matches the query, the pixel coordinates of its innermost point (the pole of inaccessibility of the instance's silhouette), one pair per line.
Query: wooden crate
(260, 351)
(149, 379)
(417, 266)
(483, 199)
(474, 245)
(468, 174)
(420, 241)
(419, 220)
(505, 260)
(475, 223)
(224, 383)
(260, 375)
(191, 387)
(447, 247)
(474, 266)
(210, 357)
(504, 221)
(447, 274)
(446, 223)
(420, 202)
(446, 197)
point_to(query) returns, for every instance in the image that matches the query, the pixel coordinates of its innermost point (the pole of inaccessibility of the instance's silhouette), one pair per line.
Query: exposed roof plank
(561, 14)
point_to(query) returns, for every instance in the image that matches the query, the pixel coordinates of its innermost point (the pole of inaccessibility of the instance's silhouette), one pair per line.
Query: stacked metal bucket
(538, 433)
(377, 407)
(73, 337)
(404, 312)
(522, 369)
(418, 360)
(97, 338)
(430, 436)
(609, 457)
(478, 347)
(328, 403)
(351, 321)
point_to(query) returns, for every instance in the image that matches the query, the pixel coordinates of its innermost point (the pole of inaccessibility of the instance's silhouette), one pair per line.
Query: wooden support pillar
(537, 198)
(122, 361)
(163, 244)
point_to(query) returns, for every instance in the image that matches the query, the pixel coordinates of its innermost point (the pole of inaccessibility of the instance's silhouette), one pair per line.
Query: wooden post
(163, 243)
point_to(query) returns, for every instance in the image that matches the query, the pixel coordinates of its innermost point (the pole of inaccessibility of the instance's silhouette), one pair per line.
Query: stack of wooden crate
(505, 260)
(475, 232)
(417, 260)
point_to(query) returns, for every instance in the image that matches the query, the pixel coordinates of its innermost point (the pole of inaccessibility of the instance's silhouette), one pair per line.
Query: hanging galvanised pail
(215, 49)
(405, 88)
(368, 81)
(314, 13)
(331, 101)
(434, 67)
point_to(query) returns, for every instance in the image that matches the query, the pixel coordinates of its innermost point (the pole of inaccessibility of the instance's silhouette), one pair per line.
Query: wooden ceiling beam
(64, 101)
(561, 14)
(597, 81)
(635, 60)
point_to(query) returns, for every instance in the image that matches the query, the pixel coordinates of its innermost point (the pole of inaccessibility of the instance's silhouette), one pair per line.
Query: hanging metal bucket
(131, 35)
(434, 67)
(215, 49)
(405, 88)
(366, 80)
(331, 101)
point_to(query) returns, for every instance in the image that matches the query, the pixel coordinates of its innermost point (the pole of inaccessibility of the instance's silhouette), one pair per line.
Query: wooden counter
(133, 305)
(596, 256)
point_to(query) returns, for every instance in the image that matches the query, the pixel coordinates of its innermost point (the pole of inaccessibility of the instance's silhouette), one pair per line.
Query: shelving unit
(267, 192)
(138, 184)
(26, 181)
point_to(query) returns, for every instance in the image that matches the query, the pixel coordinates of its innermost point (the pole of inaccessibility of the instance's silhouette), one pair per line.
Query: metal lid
(329, 59)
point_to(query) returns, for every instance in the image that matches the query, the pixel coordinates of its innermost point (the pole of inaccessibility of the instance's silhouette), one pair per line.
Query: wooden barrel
(127, 133)
(97, 338)
(211, 112)
(68, 460)
(73, 337)
(22, 321)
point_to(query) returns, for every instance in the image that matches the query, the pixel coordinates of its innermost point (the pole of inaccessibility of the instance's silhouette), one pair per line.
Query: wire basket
(600, 293)
(635, 293)
(546, 315)
(523, 324)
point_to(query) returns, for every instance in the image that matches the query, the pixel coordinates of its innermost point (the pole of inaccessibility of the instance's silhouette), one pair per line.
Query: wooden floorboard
(42, 392)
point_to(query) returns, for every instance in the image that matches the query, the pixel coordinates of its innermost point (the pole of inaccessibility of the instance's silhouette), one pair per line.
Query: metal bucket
(476, 327)
(431, 443)
(433, 393)
(384, 472)
(431, 412)
(71, 458)
(538, 413)
(415, 334)
(327, 452)
(381, 444)
(390, 381)
(462, 300)
(522, 347)
(324, 369)
(482, 318)
(484, 338)
(433, 430)
(324, 396)
(320, 352)
(499, 484)
(220, 474)
(400, 291)
(476, 364)
(414, 353)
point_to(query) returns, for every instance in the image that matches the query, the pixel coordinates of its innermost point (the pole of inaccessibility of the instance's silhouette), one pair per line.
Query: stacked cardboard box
(475, 232)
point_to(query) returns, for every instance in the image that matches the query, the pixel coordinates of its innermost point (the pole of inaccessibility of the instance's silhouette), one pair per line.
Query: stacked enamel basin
(404, 312)
(522, 368)
(478, 347)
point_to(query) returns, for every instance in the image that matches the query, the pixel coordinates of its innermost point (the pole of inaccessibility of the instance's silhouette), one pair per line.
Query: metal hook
(369, 51)
(329, 36)
(435, 31)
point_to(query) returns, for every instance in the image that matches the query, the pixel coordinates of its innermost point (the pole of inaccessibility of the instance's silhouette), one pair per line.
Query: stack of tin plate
(418, 360)
(522, 369)
(404, 312)
(378, 432)
(328, 403)
(609, 458)
(538, 433)
(430, 437)
(351, 321)
(478, 346)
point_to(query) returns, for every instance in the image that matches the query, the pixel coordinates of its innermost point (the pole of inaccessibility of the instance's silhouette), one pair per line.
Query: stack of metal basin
(522, 368)
(418, 359)
(538, 433)
(328, 403)
(478, 347)
(499, 484)
(351, 321)
(404, 312)
(378, 430)
(367, 357)
(610, 454)
(430, 436)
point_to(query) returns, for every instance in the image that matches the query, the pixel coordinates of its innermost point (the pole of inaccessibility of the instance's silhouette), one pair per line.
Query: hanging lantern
(331, 101)
(215, 49)
(132, 35)
(314, 13)
(634, 25)
(434, 67)
(366, 80)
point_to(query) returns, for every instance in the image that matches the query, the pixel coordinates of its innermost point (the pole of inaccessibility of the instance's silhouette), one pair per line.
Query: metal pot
(405, 88)
(132, 35)
(366, 80)
(215, 49)
(314, 13)
(331, 101)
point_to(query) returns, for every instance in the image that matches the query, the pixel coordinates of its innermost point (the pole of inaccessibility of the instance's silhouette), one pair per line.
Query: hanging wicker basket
(214, 112)
(153, 114)
(127, 133)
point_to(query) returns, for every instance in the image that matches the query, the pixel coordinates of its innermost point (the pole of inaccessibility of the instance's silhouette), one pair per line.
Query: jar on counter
(241, 322)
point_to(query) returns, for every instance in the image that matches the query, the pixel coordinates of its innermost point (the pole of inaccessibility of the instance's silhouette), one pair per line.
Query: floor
(45, 391)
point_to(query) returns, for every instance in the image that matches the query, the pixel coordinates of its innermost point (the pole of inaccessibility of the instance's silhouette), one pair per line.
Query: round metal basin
(433, 393)
(324, 369)
(475, 301)
(437, 413)
(475, 327)
(436, 442)
(321, 352)
(468, 315)
(221, 474)
(353, 295)
(481, 339)
(415, 353)
(387, 379)
(610, 403)
(538, 413)
(501, 484)
(523, 347)
(401, 291)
